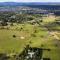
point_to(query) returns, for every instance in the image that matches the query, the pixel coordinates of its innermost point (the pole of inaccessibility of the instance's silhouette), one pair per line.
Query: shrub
(14, 36)
(33, 35)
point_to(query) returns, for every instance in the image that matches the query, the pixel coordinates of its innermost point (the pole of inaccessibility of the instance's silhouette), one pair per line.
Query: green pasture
(34, 35)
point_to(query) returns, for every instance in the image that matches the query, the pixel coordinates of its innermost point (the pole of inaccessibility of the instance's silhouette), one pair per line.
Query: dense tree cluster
(14, 17)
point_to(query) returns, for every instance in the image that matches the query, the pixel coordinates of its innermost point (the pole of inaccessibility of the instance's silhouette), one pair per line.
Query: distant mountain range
(28, 3)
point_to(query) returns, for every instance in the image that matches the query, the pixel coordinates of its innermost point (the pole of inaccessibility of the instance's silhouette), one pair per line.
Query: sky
(29, 0)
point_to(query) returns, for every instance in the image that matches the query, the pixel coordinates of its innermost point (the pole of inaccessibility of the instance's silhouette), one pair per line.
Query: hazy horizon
(29, 0)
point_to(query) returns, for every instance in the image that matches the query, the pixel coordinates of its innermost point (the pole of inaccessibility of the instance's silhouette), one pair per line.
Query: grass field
(8, 42)
(26, 33)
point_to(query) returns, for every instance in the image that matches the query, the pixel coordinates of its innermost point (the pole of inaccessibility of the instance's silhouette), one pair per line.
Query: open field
(15, 38)
(7, 41)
